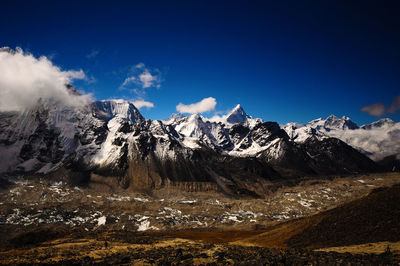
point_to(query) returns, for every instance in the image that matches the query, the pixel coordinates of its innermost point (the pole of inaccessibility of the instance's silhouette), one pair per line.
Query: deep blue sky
(282, 60)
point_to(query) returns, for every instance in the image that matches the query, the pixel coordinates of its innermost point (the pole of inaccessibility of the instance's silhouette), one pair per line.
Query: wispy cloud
(142, 77)
(139, 80)
(24, 79)
(91, 79)
(205, 105)
(376, 109)
(395, 106)
(92, 54)
(128, 80)
(379, 109)
(140, 65)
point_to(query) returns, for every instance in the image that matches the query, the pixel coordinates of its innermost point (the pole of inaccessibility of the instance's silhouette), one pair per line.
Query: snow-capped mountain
(125, 110)
(173, 118)
(111, 138)
(300, 133)
(236, 116)
(196, 130)
(376, 140)
(332, 123)
(381, 123)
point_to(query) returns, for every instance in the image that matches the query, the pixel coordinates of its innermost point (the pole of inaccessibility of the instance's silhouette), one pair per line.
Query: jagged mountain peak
(237, 108)
(107, 133)
(195, 117)
(193, 125)
(332, 122)
(318, 127)
(126, 110)
(334, 118)
(383, 122)
(292, 125)
(173, 118)
(237, 115)
(300, 132)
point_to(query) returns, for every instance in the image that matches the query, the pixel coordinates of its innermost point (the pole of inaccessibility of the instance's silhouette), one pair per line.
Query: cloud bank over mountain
(24, 79)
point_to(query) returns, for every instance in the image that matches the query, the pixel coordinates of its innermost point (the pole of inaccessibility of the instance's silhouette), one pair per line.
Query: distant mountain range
(237, 153)
(377, 140)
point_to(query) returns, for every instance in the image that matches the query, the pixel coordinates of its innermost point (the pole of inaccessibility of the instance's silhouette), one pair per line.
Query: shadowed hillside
(372, 218)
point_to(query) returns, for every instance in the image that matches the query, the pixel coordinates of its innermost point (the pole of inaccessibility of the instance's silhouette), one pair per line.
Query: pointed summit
(237, 107)
(237, 115)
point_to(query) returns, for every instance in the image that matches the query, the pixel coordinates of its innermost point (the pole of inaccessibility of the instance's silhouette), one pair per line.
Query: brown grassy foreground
(158, 249)
(370, 248)
(69, 250)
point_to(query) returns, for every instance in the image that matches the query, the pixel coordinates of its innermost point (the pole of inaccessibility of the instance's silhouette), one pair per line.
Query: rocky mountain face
(111, 139)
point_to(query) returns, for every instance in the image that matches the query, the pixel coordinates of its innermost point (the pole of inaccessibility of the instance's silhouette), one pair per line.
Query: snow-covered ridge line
(110, 133)
(377, 140)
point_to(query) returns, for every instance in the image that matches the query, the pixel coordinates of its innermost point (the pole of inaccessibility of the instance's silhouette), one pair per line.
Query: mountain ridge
(112, 138)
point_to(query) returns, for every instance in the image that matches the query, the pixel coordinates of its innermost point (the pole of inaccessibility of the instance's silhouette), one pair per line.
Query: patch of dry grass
(277, 236)
(62, 249)
(369, 248)
(215, 237)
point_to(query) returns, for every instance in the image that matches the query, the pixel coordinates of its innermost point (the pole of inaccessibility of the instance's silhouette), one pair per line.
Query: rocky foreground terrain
(47, 221)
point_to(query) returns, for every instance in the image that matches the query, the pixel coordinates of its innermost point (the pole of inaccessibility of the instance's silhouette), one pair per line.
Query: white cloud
(73, 74)
(24, 79)
(218, 118)
(147, 79)
(141, 103)
(377, 142)
(205, 105)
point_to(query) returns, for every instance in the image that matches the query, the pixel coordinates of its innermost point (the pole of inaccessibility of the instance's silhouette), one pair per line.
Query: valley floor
(43, 221)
